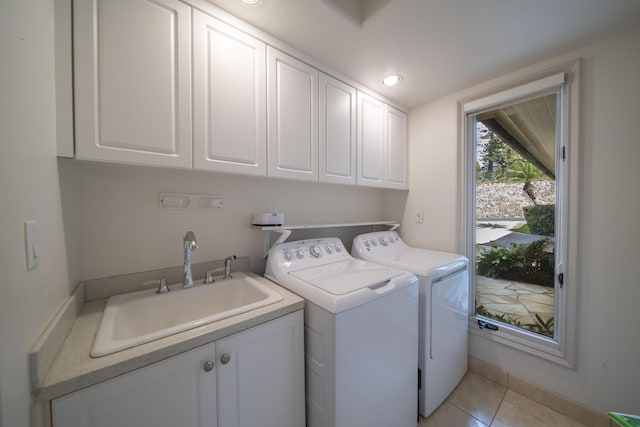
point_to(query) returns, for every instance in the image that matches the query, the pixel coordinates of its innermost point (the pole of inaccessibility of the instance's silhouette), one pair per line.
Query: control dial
(300, 253)
(315, 251)
(329, 249)
(384, 241)
(288, 255)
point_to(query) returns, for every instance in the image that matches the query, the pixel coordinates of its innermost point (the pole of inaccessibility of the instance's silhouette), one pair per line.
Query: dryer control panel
(378, 241)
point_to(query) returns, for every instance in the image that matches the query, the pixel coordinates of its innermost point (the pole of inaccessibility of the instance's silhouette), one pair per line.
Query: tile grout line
(471, 415)
(506, 389)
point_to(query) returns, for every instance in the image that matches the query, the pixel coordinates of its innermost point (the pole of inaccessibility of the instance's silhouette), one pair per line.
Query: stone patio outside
(516, 301)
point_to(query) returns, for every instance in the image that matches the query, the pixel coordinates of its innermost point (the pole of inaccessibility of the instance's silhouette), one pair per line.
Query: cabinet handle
(225, 359)
(208, 366)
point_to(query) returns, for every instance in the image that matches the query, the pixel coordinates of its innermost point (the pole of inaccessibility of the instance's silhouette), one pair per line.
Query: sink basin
(139, 317)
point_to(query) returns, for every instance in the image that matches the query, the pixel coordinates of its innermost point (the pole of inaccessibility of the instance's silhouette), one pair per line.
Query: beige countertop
(74, 368)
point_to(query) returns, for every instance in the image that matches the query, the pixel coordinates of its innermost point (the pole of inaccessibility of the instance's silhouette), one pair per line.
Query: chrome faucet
(227, 267)
(190, 244)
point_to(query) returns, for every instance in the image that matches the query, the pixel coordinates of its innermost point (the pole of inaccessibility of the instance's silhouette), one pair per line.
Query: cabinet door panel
(337, 132)
(371, 141)
(263, 382)
(133, 81)
(396, 149)
(292, 116)
(230, 119)
(174, 392)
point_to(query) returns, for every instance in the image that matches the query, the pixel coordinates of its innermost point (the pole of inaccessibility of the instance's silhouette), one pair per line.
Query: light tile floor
(479, 402)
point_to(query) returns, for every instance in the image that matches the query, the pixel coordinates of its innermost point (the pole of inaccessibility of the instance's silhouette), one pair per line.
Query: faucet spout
(190, 244)
(227, 267)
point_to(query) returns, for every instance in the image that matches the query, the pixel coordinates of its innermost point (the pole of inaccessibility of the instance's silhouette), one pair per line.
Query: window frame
(565, 81)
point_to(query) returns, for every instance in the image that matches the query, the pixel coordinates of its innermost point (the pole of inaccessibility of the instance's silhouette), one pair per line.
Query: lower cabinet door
(261, 375)
(174, 392)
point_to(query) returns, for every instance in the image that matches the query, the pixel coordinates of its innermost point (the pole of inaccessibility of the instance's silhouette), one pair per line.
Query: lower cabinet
(252, 378)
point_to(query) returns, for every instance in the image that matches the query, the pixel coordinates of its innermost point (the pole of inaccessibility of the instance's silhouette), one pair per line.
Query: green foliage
(523, 171)
(541, 327)
(524, 228)
(527, 263)
(495, 158)
(541, 219)
(504, 317)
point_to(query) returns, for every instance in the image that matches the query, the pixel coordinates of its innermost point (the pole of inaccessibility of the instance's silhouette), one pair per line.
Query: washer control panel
(308, 253)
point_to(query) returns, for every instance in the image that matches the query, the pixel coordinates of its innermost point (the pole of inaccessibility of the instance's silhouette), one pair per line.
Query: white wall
(607, 372)
(122, 230)
(112, 226)
(29, 190)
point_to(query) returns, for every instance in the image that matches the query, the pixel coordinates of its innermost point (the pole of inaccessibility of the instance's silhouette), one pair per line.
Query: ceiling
(529, 128)
(438, 46)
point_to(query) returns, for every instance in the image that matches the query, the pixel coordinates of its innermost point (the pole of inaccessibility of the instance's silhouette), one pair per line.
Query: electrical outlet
(419, 218)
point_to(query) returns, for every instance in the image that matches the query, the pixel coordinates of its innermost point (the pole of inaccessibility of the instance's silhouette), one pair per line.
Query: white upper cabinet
(397, 146)
(229, 94)
(292, 96)
(250, 108)
(371, 141)
(133, 81)
(337, 131)
(382, 144)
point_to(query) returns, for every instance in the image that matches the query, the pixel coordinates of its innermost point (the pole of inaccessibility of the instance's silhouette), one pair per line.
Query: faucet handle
(208, 276)
(162, 287)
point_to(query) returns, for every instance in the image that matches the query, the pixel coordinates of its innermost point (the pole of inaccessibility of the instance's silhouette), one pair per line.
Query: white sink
(139, 317)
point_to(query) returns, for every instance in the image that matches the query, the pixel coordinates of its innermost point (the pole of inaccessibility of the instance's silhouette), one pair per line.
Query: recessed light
(391, 80)
(251, 2)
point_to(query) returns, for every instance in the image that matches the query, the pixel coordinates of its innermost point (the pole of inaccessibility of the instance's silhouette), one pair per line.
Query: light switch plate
(419, 218)
(32, 244)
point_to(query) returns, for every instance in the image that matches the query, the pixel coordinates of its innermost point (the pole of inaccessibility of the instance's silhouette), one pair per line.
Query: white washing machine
(361, 334)
(444, 308)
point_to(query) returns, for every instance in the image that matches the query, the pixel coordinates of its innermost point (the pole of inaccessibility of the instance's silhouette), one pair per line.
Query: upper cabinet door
(397, 156)
(132, 62)
(229, 113)
(292, 95)
(371, 141)
(337, 131)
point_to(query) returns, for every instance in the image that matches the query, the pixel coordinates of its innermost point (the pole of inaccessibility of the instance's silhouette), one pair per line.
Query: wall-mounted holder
(285, 230)
(189, 201)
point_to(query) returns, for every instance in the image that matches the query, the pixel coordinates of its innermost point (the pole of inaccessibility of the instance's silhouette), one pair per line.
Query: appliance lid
(422, 262)
(344, 277)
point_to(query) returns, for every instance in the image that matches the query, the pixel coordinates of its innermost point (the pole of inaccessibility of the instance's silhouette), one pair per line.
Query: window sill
(530, 343)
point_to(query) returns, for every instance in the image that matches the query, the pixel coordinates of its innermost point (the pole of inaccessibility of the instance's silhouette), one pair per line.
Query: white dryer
(361, 334)
(444, 308)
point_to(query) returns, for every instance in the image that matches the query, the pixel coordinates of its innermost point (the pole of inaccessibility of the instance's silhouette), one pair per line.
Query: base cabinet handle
(208, 366)
(225, 359)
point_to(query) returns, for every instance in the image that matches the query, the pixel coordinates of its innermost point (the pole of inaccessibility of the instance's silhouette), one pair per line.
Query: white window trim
(561, 350)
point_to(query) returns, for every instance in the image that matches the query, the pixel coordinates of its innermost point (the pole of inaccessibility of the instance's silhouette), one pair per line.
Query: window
(520, 166)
